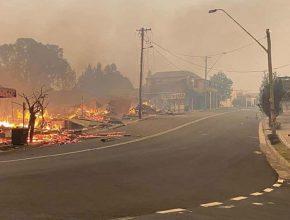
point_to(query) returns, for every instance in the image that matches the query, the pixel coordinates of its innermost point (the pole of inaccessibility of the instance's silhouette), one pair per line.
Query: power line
(215, 63)
(279, 67)
(201, 66)
(226, 52)
(221, 54)
(164, 57)
(168, 51)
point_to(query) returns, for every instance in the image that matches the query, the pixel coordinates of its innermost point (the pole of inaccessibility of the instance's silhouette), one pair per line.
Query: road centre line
(118, 144)
(211, 204)
(256, 194)
(268, 190)
(171, 211)
(239, 198)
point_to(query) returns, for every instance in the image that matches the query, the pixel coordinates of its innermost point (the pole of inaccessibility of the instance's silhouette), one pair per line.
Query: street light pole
(270, 69)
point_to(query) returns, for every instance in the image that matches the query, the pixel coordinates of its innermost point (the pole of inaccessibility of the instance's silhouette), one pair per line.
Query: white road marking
(115, 145)
(256, 194)
(239, 198)
(226, 207)
(125, 218)
(277, 185)
(171, 211)
(257, 203)
(268, 190)
(211, 204)
(280, 181)
(257, 152)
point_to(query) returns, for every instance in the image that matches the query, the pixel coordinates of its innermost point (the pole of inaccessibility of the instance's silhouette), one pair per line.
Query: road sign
(173, 96)
(7, 93)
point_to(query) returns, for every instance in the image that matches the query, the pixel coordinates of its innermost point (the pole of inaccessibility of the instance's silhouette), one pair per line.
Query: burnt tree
(37, 103)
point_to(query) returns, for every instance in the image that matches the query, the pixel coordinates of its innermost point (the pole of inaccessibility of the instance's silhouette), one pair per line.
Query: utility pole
(142, 33)
(82, 106)
(210, 100)
(205, 83)
(271, 83)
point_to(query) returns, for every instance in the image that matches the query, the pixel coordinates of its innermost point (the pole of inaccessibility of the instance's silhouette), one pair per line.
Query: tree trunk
(31, 127)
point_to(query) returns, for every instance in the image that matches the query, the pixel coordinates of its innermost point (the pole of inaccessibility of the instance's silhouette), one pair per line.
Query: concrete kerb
(277, 161)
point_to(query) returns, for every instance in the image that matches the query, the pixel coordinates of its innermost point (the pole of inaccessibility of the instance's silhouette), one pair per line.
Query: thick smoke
(104, 30)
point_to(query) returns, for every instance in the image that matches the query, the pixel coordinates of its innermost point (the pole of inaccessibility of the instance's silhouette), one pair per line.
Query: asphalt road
(213, 159)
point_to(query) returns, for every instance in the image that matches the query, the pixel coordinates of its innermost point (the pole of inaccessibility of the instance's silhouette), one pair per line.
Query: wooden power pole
(271, 84)
(142, 33)
(205, 83)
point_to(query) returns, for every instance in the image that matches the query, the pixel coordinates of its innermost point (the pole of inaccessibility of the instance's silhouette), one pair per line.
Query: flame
(99, 114)
(134, 110)
(6, 124)
(49, 130)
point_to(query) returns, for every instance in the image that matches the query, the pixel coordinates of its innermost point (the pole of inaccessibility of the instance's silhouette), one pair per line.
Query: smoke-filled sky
(92, 31)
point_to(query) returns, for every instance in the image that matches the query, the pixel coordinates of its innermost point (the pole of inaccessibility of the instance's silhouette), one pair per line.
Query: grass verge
(283, 150)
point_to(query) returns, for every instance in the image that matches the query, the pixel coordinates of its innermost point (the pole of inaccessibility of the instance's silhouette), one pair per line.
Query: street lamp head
(212, 11)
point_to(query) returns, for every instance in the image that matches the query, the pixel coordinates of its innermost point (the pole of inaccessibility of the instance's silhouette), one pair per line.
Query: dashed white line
(257, 203)
(268, 190)
(257, 152)
(117, 144)
(277, 185)
(171, 211)
(124, 218)
(226, 207)
(211, 204)
(239, 198)
(280, 181)
(256, 194)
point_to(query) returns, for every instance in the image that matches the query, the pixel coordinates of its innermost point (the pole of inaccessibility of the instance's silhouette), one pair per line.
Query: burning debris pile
(55, 133)
(147, 108)
(75, 136)
(80, 122)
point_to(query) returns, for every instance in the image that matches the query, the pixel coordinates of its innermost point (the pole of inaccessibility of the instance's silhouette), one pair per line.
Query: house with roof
(177, 91)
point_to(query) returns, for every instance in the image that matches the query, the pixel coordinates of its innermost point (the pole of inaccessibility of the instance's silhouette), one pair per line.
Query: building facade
(179, 91)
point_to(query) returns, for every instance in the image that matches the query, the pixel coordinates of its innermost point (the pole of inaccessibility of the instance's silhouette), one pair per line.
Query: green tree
(34, 64)
(223, 84)
(265, 95)
(104, 82)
